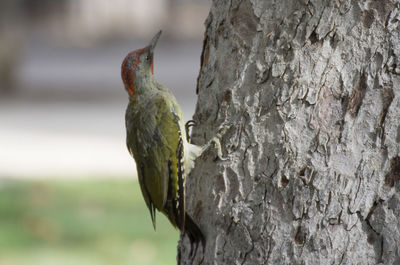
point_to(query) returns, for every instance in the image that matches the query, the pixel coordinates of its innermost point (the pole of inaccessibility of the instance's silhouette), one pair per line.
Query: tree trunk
(306, 97)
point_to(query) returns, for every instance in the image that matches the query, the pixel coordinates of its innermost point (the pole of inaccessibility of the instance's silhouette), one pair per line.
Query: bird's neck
(144, 84)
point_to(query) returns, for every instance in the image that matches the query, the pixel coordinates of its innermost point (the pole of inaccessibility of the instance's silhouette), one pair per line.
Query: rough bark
(309, 95)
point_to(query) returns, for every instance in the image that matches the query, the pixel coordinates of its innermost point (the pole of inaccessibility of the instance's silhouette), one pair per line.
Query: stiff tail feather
(194, 233)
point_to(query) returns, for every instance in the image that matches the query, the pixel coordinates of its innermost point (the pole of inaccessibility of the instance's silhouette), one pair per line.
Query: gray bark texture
(305, 97)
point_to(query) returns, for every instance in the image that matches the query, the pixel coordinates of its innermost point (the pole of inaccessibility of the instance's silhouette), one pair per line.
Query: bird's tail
(193, 231)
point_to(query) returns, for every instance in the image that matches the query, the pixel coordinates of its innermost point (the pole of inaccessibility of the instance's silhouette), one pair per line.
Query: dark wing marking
(181, 184)
(178, 200)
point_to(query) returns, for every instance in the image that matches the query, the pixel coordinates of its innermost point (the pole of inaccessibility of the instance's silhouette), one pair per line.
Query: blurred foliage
(80, 222)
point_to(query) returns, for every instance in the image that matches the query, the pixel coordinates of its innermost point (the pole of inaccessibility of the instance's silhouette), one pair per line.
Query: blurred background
(68, 188)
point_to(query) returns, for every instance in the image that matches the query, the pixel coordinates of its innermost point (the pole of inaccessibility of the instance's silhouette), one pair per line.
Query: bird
(156, 137)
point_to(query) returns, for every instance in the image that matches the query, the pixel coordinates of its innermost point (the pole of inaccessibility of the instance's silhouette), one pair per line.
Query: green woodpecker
(156, 138)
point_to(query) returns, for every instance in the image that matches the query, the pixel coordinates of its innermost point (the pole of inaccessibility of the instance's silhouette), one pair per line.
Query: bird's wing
(158, 150)
(137, 141)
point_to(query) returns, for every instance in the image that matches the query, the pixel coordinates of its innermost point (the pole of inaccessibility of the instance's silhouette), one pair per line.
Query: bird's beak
(153, 42)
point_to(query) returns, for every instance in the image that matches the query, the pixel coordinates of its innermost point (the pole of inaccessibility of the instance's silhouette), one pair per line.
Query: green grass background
(80, 222)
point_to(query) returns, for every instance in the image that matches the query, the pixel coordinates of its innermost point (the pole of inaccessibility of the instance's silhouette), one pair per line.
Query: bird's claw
(188, 124)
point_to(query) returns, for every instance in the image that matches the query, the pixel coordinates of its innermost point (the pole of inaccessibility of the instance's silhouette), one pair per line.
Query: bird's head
(138, 63)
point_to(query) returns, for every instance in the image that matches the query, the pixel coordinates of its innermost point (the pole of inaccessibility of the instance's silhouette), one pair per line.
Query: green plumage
(154, 128)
